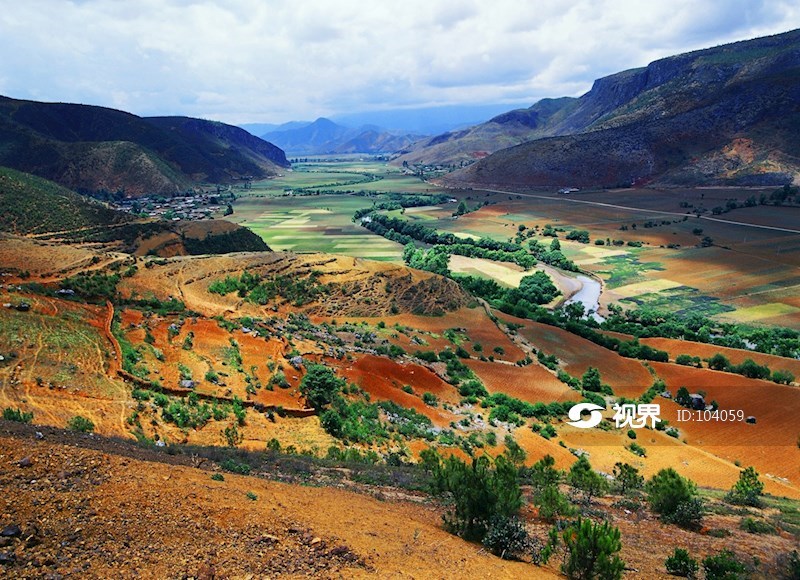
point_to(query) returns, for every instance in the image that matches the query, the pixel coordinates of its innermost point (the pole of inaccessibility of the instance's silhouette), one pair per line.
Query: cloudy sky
(243, 61)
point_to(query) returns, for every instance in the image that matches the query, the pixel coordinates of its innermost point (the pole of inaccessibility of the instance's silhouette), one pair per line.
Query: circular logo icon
(593, 420)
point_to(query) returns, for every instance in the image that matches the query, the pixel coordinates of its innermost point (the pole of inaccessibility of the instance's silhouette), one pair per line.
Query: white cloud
(256, 60)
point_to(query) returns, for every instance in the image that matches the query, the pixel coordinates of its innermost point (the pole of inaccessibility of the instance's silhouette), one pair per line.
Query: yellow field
(422, 208)
(503, 273)
(596, 254)
(648, 287)
(755, 313)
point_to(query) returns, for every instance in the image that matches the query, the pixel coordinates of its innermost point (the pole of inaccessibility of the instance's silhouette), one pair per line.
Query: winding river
(589, 296)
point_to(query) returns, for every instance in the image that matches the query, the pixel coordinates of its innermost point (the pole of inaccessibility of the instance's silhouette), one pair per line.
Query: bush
(667, 490)
(542, 473)
(17, 415)
(687, 360)
(627, 477)
(754, 526)
(429, 399)
(591, 381)
(747, 490)
(752, 369)
(218, 477)
(141, 394)
(80, 424)
(427, 356)
(234, 466)
(320, 386)
(582, 477)
(680, 563)
(481, 491)
(592, 551)
(688, 514)
(719, 362)
(782, 377)
(723, 566)
(637, 449)
(506, 537)
(552, 503)
(472, 388)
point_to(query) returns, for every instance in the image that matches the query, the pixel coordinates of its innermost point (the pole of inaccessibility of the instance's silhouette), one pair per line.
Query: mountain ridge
(90, 149)
(716, 97)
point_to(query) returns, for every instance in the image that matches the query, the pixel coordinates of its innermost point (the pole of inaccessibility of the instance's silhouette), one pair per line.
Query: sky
(271, 61)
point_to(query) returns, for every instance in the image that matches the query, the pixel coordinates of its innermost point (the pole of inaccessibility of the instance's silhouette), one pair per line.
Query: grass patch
(682, 300)
(626, 269)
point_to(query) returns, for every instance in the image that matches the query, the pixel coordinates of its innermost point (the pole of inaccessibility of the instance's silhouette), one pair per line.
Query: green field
(313, 224)
(286, 217)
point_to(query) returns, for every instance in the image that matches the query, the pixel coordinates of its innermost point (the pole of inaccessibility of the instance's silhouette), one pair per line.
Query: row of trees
(485, 500)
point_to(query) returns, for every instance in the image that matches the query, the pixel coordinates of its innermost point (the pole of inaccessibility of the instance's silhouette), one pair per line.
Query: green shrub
(637, 449)
(320, 386)
(427, 356)
(754, 526)
(688, 514)
(723, 566)
(17, 415)
(232, 435)
(234, 466)
(541, 474)
(582, 477)
(747, 490)
(548, 431)
(719, 362)
(667, 490)
(279, 379)
(592, 551)
(680, 563)
(627, 477)
(472, 388)
(506, 537)
(782, 377)
(80, 424)
(480, 491)
(218, 477)
(552, 503)
(251, 496)
(430, 399)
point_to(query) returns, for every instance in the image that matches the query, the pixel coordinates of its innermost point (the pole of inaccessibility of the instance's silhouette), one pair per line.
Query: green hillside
(91, 149)
(32, 205)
